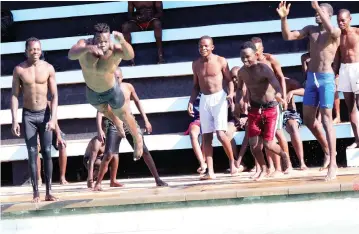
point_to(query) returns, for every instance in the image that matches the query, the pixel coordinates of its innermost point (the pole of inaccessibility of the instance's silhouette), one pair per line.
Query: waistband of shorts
(321, 75)
(107, 91)
(349, 64)
(35, 111)
(219, 93)
(264, 105)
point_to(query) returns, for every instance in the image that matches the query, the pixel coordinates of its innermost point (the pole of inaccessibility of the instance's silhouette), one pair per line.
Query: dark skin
(349, 53)
(263, 87)
(34, 78)
(145, 12)
(324, 41)
(94, 148)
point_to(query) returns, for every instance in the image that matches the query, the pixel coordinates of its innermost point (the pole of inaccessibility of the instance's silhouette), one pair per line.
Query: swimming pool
(320, 213)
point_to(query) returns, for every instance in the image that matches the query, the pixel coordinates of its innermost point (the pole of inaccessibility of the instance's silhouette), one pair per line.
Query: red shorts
(194, 122)
(263, 124)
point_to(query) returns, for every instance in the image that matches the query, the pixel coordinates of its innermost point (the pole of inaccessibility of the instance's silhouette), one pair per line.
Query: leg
(221, 135)
(293, 130)
(194, 133)
(256, 144)
(113, 171)
(330, 134)
(282, 140)
(62, 164)
(337, 104)
(124, 113)
(310, 120)
(157, 27)
(208, 152)
(353, 117)
(38, 162)
(270, 157)
(127, 28)
(243, 150)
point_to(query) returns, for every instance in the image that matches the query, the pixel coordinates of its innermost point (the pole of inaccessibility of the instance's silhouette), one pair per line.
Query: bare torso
(349, 46)
(144, 8)
(34, 84)
(98, 72)
(209, 73)
(261, 91)
(92, 146)
(125, 87)
(322, 50)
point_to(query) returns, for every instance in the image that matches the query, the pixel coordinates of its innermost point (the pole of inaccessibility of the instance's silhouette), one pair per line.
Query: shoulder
(20, 67)
(270, 57)
(222, 60)
(128, 86)
(48, 66)
(234, 70)
(356, 30)
(195, 62)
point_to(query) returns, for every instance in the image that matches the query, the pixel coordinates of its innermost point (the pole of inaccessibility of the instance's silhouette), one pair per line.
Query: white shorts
(213, 112)
(349, 78)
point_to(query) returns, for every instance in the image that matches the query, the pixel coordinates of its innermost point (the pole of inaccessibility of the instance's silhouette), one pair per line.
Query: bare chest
(208, 69)
(34, 75)
(320, 40)
(104, 63)
(349, 41)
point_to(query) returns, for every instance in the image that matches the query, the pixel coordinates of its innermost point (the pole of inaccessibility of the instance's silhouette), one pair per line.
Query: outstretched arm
(78, 50)
(123, 49)
(139, 106)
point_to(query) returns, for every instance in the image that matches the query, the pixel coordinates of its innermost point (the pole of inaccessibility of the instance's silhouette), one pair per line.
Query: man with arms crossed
(35, 77)
(349, 69)
(264, 92)
(320, 85)
(99, 58)
(208, 74)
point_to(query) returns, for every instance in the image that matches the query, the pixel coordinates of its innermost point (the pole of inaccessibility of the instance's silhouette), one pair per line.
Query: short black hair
(256, 40)
(101, 28)
(329, 8)
(341, 11)
(248, 44)
(31, 39)
(206, 38)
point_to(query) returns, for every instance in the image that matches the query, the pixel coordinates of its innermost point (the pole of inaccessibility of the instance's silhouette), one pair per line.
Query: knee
(207, 139)
(107, 158)
(291, 127)
(46, 152)
(268, 144)
(221, 136)
(157, 24)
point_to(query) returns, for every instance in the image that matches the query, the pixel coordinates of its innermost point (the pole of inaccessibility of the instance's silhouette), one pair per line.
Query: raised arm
(139, 106)
(334, 32)
(15, 101)
(123, 49)
(78, 50)
(283, 12)
(195, 90)
(159, 9)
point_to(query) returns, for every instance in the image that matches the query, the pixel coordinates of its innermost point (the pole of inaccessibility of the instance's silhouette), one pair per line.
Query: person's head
(327, 9)
(257, 41)
(248, 53)
(234, 75)
(205, 46)
(344, 18)
(118, 74)
(33, 49)
(102, 36)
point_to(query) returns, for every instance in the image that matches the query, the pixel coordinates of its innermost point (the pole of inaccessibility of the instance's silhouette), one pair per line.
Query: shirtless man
(113, 140)
(35, 77)
(99, 58)
(264, 94)
(273, 63)
(320, 85)
(349, 70)
(208, 74)
(147, 16)
(92, 161)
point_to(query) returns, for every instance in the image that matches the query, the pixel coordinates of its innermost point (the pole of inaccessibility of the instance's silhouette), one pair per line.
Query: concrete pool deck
(181, 189)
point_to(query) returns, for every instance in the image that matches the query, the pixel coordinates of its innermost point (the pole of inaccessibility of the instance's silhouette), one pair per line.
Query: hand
(118, 36)
(243, 121)
(101, 136)
(289, 97)
(94, 50)
(230, 98)
(279, 98)
(60, 143)
(285, 105)
(283, 10)
(50, 126)
(148, 127)
(15, 129)
(121, 132)
(190, 109)
(315, 5)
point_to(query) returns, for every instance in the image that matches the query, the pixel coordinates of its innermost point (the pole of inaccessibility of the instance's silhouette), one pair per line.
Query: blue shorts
(319, 90)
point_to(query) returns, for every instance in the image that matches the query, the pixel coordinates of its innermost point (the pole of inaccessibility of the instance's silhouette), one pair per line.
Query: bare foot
(90, 184)
(270, 171)
(303, 167)
(332, 173)
(253, 169)
(207, 177)
(36, 198)
(202, 169)
(241, 168)
(97, 187)
(353, 146)
(39, 183)
(276, 174)
(161, 183)
(260, 176)
(49, 197)
(288, 170)
(138, 151)
(255, 175)
(336, 120)
(63, 181)
(325, 163)
(115, 184)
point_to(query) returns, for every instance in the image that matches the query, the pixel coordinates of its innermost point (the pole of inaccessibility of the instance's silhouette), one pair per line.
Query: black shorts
(113, 97)
(113, 140)
(54, 139)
